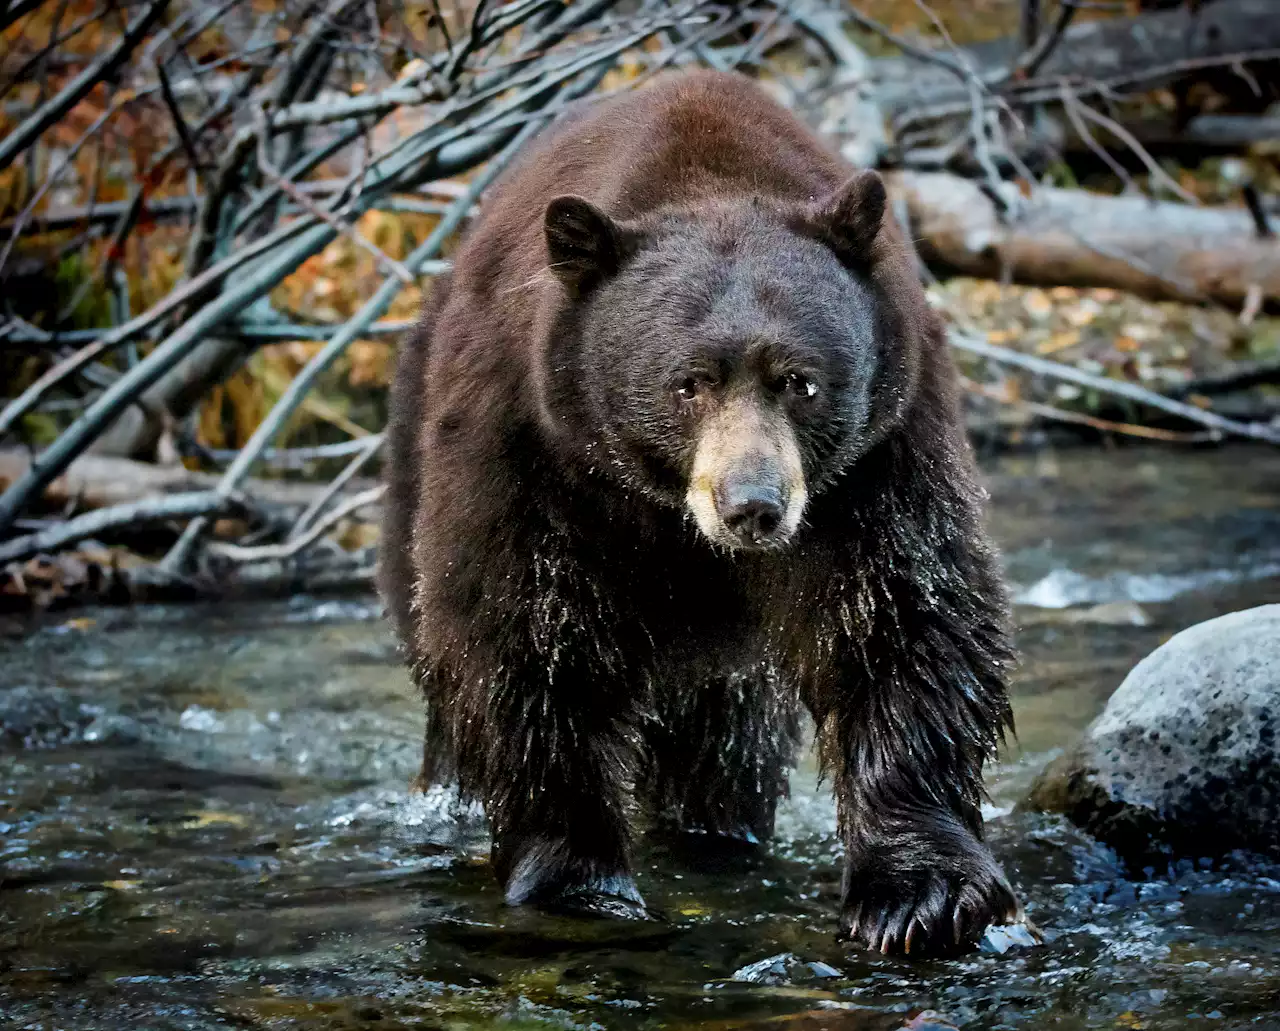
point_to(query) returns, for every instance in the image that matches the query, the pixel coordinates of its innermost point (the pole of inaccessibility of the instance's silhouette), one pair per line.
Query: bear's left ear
(585, 246)
(848, 220)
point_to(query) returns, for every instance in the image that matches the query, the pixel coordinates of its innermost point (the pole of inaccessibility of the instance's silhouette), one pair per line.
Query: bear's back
(688, 137)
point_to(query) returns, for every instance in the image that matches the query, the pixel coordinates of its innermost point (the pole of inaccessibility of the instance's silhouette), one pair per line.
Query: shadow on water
(204, 822)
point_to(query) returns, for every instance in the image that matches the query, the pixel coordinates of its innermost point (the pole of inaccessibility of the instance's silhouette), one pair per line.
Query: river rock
(784, 969)
(1184, 759)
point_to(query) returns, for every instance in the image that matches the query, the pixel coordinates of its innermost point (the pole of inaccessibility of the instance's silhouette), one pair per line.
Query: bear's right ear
(584, 244)
(849, 219)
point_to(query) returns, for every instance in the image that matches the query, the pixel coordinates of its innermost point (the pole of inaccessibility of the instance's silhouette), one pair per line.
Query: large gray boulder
(1185, 758)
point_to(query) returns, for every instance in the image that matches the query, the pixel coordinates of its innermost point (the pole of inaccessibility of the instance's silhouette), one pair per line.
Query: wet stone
(1000, 939)
(1185, 758)
(785, 968)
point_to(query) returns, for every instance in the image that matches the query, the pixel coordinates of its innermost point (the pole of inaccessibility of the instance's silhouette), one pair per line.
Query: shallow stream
(205, 822)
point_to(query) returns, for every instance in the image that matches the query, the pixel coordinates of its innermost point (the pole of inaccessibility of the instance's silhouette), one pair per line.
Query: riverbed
(205, 821)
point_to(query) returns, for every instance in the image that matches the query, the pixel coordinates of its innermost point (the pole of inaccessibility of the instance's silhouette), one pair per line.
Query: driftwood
(101, 481)
(1071, 237)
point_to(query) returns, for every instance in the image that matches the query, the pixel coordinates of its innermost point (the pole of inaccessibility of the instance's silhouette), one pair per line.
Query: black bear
(674, 452)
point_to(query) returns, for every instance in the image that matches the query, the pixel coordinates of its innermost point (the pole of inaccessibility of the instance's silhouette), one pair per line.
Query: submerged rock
(784, 968)
(1185, 756)
(1000, 938)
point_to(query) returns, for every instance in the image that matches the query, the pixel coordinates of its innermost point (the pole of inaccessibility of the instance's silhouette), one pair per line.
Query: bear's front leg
(917, 876)
(560, 771)
(915, 706)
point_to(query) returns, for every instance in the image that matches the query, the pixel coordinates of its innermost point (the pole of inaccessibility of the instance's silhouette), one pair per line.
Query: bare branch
(369, 446)
(139, 325)
(1254, 203)
(136, 513)
(472, 44)
(1218, 424)
(304, 540)
(288, 458)
(21, 137)
(1072, 107)
(65, 164)
(910, 49)
(179, 123)
(344, 229)
(1029, 24)
(1157, 173)
(121, 394)
(1056, 414)
(1040, 47)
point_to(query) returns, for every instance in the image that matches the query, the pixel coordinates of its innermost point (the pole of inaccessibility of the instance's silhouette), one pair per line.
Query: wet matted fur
(598, 621)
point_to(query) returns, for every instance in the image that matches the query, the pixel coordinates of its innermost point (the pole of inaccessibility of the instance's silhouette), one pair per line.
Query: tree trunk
(1075, 238)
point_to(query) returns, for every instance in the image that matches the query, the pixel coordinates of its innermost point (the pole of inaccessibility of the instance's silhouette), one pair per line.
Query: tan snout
(747, 487)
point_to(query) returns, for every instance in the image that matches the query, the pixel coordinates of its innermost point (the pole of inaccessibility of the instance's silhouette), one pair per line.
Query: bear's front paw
(615, 897)
(549, 877)
(926, 908)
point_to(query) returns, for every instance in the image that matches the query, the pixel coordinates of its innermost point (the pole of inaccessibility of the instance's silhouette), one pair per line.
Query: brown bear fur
(656, 266)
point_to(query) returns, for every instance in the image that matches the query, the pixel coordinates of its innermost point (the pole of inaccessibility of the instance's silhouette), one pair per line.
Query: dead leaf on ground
(45, 582)
(1037, 304)
(1059, 342)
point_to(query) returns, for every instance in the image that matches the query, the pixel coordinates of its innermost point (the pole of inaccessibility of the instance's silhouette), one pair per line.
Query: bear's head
(733, 356)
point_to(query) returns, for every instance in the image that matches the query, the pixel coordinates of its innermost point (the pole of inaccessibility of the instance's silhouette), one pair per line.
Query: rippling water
(204, 822)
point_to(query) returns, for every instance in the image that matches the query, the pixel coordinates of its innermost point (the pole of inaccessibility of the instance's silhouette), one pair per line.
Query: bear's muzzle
(747, 489)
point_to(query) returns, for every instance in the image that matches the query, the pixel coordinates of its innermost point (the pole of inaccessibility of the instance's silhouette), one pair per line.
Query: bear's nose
(752, 512)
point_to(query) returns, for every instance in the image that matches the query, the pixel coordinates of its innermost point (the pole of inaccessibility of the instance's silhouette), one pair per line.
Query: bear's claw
(942, 916)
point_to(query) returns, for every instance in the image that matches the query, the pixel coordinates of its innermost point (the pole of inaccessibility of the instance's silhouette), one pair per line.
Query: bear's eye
(687, 389)
(799, 385)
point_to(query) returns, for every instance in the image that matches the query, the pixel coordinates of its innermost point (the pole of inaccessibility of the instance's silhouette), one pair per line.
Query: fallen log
(1160, 249)
(100, 481)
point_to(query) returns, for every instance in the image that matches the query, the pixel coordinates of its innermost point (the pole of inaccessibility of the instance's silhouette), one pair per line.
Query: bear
(675, 455)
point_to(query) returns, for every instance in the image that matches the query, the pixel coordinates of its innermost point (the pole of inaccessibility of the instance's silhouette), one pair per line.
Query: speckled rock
(1185, 758)
(783, 969)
